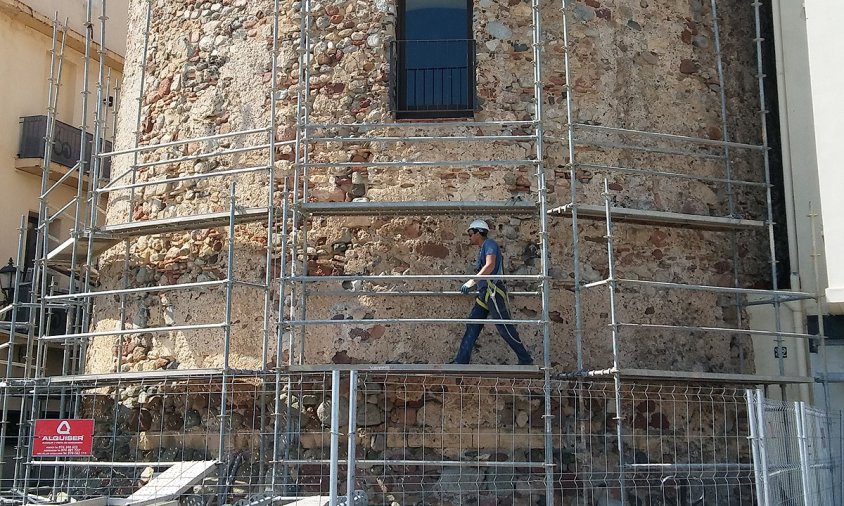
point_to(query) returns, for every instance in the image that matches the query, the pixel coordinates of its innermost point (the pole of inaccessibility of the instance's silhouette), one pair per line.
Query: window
(433, 60)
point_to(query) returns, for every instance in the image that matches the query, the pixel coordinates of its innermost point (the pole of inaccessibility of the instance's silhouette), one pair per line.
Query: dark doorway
(29, 249)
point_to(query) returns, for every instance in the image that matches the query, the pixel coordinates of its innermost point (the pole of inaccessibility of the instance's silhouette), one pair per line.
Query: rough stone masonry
(643, 65)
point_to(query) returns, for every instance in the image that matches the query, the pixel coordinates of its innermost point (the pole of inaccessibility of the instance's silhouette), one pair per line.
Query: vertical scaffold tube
(96, 169)
(227, 336)
(614, 329)
(539, 118)
(73, 317)
(268, 276)
(728, 164)
(760, 75)
(41, 245)
(5, 390)
(305, 147)
(277, 441)
(296, 214)
(578, 317)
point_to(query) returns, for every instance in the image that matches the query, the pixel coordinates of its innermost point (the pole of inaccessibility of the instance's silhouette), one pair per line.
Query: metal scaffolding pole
(6, 390)
(615, 330)
(539, 108)
(94, 179)
(280, 328)
(271, 210)
(294, 316)
(728, 165)
(578, 315)
(760, 75)
(227, 336)
(298, 289)
(41, 246)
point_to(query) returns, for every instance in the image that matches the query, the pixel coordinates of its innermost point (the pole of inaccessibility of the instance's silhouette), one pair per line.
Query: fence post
(350, 465)
(758, 468)
(840, 458)
(335, 436)
(802, 450)
(765, 495)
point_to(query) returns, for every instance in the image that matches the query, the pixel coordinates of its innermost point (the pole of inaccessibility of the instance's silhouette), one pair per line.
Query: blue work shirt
(489, 247)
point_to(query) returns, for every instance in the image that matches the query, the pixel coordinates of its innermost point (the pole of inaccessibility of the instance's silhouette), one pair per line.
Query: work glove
(467, 286)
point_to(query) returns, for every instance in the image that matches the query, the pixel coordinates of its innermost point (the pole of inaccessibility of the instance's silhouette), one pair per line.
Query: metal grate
(416, 439)
(797, 452)
(433, 78)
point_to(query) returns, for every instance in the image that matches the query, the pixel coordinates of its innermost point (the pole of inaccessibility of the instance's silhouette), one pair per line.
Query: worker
(492, 297)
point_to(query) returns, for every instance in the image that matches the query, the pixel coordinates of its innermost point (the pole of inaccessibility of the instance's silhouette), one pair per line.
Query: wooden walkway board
(168, 485)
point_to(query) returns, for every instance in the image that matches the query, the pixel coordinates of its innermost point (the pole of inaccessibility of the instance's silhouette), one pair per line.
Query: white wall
(75, 11)
(809, 79)
(826, 49)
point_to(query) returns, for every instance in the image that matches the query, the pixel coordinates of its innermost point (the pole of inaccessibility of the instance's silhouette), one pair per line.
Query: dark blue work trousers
(493, 301)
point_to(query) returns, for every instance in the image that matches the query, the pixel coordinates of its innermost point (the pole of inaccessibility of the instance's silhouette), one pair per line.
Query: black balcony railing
(433, 78)
(66, 145)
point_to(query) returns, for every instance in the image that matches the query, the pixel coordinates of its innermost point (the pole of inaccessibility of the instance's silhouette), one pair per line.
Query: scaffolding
(566, 432)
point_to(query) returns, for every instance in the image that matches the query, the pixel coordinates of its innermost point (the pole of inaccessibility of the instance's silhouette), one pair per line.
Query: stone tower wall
(645, 65)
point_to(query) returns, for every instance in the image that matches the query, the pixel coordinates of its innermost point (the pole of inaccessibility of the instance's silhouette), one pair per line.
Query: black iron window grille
(433, 78)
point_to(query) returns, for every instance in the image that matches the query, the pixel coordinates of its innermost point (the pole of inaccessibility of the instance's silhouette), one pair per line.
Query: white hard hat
(479, 225)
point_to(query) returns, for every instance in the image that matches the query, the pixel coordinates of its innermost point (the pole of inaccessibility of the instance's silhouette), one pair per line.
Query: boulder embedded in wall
(499, 30)
(431, 414)
(324, 412)
(431, 249)
(369, 415)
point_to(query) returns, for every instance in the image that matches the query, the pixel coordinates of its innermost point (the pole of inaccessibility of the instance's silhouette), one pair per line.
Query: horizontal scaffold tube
(148, 289)
(444, 138)
(386, 293)
(699, 288)
(152, 147)
(670, 137)
(414, 277)
(674, 175)
(415, 124)
(409, 321)
(695, 328)
(146, 330)
(204, 175)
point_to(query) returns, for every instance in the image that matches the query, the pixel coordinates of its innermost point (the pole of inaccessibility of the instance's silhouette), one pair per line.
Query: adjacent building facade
(28, 49)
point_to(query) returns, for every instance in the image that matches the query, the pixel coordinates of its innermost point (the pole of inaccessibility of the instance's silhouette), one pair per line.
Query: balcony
(65, 153)
(433, 78)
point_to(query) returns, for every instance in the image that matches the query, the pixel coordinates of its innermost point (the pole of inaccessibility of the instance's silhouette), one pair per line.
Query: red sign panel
(63, 438)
